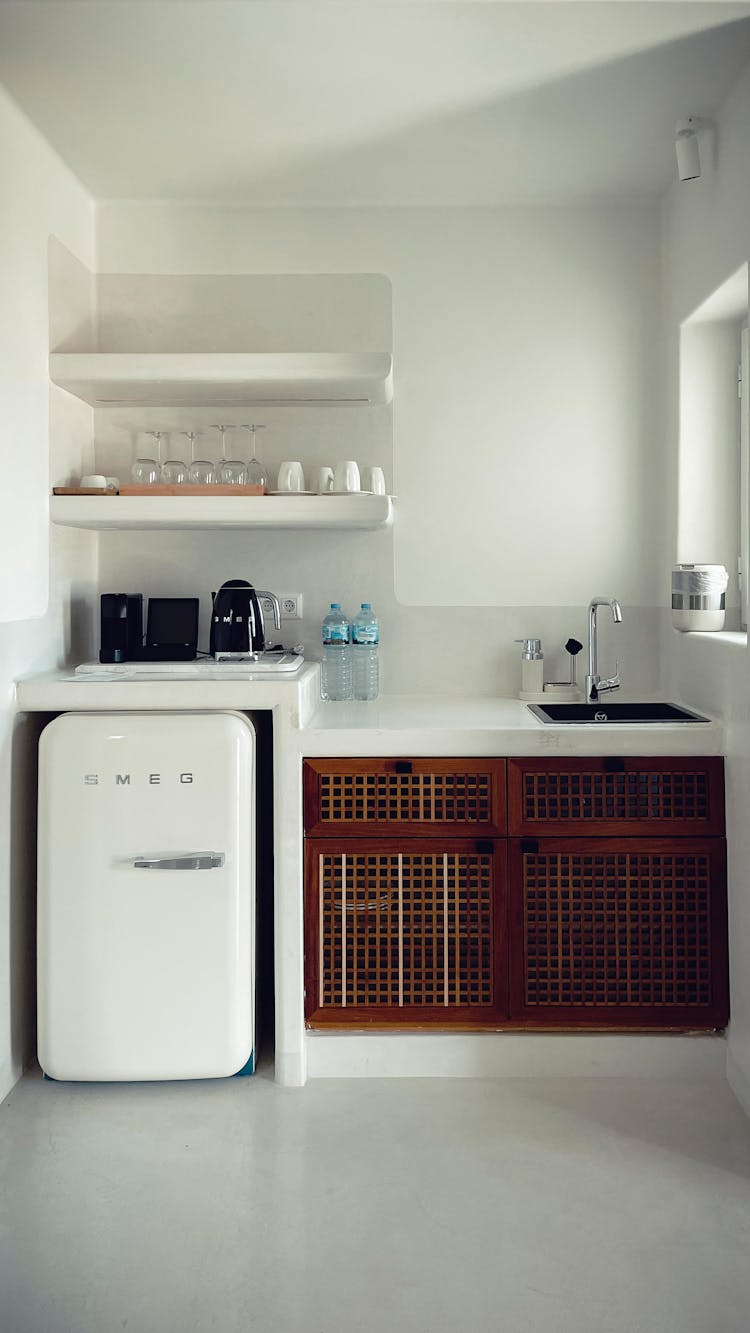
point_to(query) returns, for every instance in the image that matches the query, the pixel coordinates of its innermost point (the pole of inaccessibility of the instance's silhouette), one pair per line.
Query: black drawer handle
(484, 846)
(529, 845)
(403, 766)
(614, 764)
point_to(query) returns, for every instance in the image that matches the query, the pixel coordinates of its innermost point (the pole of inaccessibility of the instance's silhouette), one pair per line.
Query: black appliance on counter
(237, 628)
(120, 626)
(171, 628)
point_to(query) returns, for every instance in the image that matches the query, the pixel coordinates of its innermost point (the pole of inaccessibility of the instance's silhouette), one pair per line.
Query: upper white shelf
(178, 512)
(173, 379)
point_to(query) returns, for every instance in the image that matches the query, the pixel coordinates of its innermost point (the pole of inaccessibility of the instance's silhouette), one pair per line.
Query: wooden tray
(188, 490)
(83, 490)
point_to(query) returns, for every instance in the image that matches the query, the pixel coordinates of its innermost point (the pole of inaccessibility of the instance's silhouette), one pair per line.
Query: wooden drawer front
(398, 934)
(631, 796)
(609, 931)
(412, 796)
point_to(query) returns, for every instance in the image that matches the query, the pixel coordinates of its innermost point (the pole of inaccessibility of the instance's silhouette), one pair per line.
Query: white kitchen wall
(43, 582)
(524, 421)
(705, 239)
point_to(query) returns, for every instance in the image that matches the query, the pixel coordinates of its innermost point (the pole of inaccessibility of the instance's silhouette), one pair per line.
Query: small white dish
(291, 492)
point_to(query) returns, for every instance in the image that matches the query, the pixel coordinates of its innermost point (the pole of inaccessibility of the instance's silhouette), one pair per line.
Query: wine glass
(201, 471)
(173, 471)
(255, 473)
(231, 470)
(147, 471)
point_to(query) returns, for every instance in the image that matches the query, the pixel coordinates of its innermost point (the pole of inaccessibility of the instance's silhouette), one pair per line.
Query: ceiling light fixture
(687, 148)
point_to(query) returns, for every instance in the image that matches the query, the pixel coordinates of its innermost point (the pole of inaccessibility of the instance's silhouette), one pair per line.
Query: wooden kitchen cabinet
(411, 797)
(618, 932)
(405, 915)
(409, 931)
(618, 796)
(621, 923)
(558, 893)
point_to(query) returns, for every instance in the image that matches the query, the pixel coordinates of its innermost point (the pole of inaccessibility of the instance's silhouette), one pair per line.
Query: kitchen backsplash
(455, 650)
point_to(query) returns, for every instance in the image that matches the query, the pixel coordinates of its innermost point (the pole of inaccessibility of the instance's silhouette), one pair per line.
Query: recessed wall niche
(712, 501)
(153, 313)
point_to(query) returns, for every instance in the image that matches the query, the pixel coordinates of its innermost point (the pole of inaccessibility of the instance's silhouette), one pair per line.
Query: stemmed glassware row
(201, 471)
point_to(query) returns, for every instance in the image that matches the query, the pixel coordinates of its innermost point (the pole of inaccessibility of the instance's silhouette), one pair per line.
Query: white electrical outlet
(290, 603)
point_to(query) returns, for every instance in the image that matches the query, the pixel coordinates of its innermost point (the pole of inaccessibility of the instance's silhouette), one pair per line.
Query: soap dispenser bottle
(532, 667)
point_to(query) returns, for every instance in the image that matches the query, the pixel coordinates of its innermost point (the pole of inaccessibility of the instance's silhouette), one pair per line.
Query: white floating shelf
(178, 512)
(174, 379)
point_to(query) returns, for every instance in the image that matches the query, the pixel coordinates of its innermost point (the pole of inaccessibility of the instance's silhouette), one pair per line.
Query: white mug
(94, 481)
(346, 476)
(373, 479)
(324, 480)
(291, 477)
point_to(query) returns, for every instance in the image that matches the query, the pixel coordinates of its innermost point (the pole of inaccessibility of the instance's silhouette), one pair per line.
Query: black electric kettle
(237, 628)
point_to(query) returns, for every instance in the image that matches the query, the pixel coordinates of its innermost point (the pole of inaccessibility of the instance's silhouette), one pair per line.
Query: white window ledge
(733, 638)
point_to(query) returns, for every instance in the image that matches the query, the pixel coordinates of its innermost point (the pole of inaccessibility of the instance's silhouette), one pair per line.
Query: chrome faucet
(596, 684)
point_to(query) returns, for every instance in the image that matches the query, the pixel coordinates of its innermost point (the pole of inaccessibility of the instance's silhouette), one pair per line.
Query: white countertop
(395, 724)
(437, 725)
(63, 691)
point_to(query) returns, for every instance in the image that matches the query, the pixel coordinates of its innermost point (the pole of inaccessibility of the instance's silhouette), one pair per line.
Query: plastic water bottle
(336, 678)
(365, 666)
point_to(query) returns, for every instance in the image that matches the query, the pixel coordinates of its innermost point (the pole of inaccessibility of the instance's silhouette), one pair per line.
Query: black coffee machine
(171, 628)
(237, 629)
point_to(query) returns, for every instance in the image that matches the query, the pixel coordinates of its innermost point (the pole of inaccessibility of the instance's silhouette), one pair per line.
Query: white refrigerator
(146, 896)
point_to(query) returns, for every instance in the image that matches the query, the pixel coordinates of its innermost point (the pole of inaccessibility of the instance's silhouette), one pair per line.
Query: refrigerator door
(146, 895)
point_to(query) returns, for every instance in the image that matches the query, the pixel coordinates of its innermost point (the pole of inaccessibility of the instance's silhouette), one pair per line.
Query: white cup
(346, 476)
(373, 479)
(291, 477)
(94, 481)
(324, 480)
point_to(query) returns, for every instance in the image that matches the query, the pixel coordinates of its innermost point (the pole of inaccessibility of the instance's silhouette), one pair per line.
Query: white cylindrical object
(346, 475)
(324, 480)
(699, 597)
(373, 479)
(688, 156)
(291, 476)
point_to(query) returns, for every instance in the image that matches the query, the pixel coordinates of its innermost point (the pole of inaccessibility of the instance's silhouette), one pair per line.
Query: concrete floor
(547, 1206)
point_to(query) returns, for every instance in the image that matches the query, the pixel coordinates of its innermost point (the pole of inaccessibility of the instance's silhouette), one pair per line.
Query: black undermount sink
(614, 712)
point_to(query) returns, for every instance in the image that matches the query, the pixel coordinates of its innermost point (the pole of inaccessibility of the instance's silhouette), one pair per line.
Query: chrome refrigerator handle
(180, 861)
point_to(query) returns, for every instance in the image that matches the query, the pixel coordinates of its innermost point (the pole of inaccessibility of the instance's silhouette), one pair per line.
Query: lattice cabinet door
(633, 797)
(417, 797)
(405, 932)
(618, 933)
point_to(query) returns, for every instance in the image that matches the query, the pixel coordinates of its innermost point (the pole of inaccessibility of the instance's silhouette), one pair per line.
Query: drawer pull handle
(614, 764)
(403, 766)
